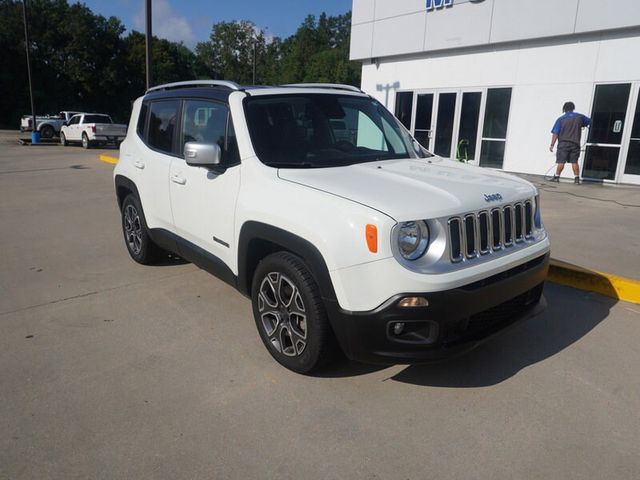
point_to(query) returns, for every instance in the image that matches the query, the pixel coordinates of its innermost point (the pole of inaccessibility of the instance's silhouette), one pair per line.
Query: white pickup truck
(47, 125)
(92, 128)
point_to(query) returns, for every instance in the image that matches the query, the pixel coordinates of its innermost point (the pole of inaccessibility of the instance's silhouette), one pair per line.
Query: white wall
(400, 27)
(543, 77)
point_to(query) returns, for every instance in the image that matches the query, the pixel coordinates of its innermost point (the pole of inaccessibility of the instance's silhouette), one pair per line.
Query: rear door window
(162, 124)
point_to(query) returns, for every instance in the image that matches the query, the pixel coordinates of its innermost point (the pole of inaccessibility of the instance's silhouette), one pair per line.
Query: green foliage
(79, 60)
(317, 52)
(83, 61)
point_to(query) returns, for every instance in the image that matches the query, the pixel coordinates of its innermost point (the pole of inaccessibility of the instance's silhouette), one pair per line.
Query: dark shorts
(567, 153)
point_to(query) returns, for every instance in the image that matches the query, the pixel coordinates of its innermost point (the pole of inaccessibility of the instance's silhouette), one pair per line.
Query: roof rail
(337, 86)
(196, 83)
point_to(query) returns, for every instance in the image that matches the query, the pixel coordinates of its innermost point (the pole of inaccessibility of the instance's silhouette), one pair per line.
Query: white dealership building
(484, 80)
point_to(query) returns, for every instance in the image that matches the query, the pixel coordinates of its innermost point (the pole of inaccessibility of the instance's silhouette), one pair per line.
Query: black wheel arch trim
(257, 231)
(124, 182)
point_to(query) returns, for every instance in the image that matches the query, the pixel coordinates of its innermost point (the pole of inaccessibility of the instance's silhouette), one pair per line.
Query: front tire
(63, 139)
(86, 144)
(136, 234)
(290, 315)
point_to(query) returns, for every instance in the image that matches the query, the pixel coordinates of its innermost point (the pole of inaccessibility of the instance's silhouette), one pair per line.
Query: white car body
(330, 209)
(83, 126)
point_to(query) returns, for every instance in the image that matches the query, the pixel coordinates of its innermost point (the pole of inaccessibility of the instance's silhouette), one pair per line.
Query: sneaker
(556, 179)
(576, 180)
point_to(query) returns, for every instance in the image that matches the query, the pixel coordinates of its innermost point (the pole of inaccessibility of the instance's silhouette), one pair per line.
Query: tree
(80, 61)
(229, 52)
(317, 52)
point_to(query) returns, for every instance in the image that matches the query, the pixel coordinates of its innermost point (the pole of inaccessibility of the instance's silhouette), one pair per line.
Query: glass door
(632, 162)
(445, 120)
(608, 116)
(424, 120)
(467, 139)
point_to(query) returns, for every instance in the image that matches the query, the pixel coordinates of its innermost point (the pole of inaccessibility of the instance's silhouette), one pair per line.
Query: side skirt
(194, 254)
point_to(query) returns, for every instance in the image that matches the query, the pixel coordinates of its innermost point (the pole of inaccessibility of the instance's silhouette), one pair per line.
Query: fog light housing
(413, 302)
(398, 328)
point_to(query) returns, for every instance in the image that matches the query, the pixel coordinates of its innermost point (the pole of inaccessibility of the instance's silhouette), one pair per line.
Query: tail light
(93, 128)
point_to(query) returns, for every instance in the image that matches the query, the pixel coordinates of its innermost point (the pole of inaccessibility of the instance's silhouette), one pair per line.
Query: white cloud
(166, 23)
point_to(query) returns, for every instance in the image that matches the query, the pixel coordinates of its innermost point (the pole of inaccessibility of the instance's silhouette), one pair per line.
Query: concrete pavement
(594, 226)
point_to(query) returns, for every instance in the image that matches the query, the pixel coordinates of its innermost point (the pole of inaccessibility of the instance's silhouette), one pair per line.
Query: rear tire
(47, 132)
(86, 144)
(136, 234)
(290, 315)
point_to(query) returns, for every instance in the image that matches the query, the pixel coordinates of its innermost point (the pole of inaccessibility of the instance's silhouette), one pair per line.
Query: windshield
(97, 119)
(323, 130)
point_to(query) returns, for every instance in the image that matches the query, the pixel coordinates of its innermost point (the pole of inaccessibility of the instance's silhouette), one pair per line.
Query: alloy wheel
(283, 315)
(133, 229)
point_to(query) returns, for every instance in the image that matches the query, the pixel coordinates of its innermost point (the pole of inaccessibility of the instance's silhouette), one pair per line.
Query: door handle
(179, 180)
(138, 164)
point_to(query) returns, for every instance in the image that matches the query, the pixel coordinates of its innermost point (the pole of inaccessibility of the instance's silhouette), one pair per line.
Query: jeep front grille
(479, 233)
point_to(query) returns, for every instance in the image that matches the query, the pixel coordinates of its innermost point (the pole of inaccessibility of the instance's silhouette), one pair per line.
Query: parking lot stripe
(621, 288)
(108, 159)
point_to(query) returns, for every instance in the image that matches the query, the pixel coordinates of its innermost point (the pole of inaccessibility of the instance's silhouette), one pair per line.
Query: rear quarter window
(142, 121)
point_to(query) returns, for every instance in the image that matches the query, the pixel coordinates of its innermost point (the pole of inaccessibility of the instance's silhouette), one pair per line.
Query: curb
(108, 159)
(620, 288)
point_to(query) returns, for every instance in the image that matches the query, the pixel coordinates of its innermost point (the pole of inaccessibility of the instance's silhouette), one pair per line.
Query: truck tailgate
(111, 130)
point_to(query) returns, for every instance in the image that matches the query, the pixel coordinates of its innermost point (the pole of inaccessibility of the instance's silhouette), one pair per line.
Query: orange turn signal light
(371, 233)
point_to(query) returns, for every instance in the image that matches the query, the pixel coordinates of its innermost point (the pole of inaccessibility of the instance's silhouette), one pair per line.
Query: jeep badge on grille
(494, 197)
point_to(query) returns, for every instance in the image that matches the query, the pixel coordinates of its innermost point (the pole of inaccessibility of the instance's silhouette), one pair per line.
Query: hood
(413, 189)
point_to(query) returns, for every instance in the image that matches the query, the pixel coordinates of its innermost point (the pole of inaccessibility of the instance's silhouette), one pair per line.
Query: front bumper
(455, 320)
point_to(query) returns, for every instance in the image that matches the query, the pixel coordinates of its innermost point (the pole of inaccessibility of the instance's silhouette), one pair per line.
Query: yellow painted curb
(108, 159)
(621, 288)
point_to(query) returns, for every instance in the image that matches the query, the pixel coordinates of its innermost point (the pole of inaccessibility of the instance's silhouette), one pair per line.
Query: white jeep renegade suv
(314, 201)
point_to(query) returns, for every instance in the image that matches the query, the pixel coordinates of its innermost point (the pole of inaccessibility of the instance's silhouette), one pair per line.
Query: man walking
(567, 131)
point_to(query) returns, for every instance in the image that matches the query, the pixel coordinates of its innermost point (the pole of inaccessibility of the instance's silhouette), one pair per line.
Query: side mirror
(202, 154)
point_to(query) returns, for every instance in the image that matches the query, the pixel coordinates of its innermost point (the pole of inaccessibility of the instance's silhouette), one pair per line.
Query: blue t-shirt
(569, 127)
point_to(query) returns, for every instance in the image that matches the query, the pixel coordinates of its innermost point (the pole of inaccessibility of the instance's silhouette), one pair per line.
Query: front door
(203, 199)
(608, 116)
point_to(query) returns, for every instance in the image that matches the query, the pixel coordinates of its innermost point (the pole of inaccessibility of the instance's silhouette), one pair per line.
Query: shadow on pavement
(170, 259)
(570, 315)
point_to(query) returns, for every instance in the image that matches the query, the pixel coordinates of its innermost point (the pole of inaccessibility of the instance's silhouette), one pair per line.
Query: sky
(190, 21)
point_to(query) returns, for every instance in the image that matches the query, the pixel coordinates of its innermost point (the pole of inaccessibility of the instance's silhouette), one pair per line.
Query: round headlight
(413, 239)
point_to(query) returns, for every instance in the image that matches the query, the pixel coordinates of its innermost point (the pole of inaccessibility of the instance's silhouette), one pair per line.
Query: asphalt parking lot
(113, 370)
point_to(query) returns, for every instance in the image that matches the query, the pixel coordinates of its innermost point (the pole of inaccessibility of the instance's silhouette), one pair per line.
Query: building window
(404, 108)
(494, 132)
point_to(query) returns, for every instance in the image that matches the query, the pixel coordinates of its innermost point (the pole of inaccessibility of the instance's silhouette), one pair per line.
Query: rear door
(203, 199)
(152, 160)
